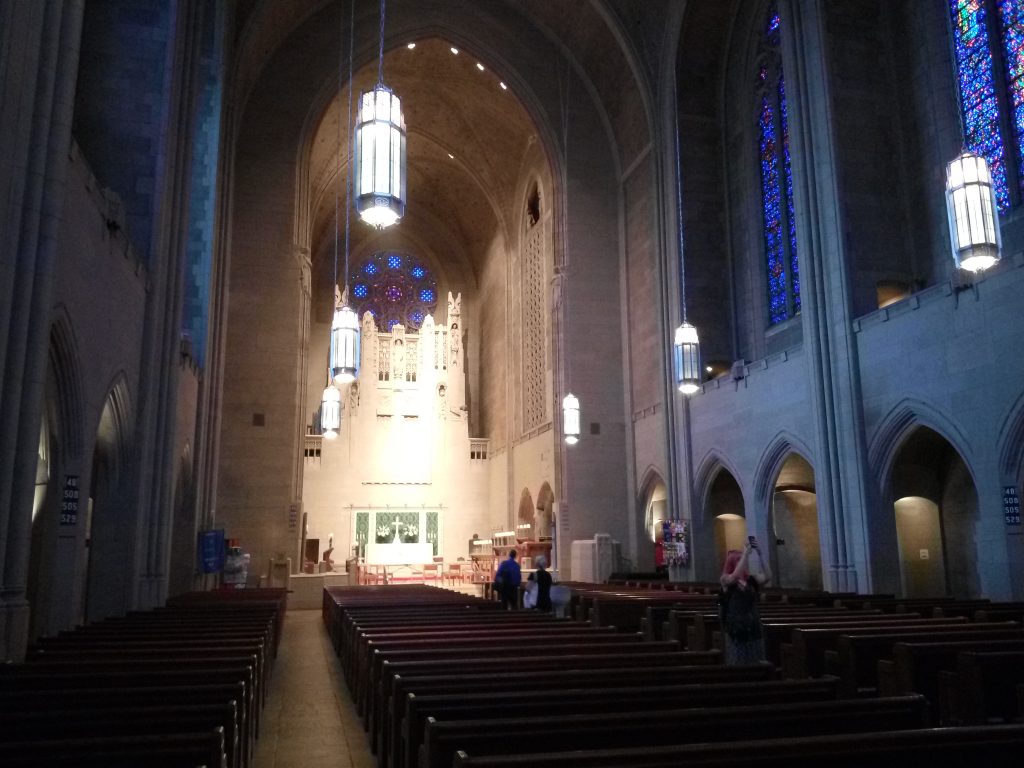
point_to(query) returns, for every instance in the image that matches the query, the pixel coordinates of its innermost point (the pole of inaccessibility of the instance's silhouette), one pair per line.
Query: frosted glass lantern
(687, 359)
(330, 412)
(344, 345)
(971, 210)
(380, 177)
(571, 419)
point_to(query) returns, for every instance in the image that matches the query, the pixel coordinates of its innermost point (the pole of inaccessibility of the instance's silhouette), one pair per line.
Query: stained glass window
(979, 104)
(395, 288)
(1011, 15)
(778, 217)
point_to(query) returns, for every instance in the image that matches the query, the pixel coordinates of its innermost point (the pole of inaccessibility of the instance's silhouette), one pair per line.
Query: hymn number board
(69, 502)
(1011, 505)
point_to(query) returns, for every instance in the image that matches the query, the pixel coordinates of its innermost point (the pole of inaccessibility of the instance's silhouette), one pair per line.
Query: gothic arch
(527, 512)
(708, 471)
(67, 378)
(897, 426)
(1011, 442)
(115, 426)
(780, 448)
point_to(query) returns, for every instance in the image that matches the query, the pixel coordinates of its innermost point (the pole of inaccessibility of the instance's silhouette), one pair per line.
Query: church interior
(367, 292)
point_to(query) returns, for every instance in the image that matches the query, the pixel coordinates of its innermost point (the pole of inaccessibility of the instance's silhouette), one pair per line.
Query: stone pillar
(40, 43)
(158, 396)
(833, 371)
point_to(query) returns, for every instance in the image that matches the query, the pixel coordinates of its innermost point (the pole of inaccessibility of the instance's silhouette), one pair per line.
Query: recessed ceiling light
(480, 66)
(451, 155)
(708, 369)
(410, 46)
(454, 50)
(503, 86)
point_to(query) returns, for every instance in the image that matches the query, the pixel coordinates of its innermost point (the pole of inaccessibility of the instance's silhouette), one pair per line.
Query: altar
(399, 553)
(397, 536)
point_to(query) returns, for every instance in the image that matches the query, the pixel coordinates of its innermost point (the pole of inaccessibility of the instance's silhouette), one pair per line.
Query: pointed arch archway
(108, 531)
(653, 501)
(54, 542)
(934, 503)
(784, 489)
(722, 524)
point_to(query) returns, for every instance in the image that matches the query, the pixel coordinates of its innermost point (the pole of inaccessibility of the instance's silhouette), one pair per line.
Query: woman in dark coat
(743, 577)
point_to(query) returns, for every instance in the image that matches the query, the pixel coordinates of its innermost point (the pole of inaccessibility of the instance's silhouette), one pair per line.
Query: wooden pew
(700, 626)
(442, 739)
(987, 685)
(857, 656)
(499, 658)
(511, 703)
(479, 674)
(127, 674)
(588, 672)
(204, 748)
(805, 655)
(48, 701)
(915, 668)
(497, 650)
(62, 723)
(997, 746)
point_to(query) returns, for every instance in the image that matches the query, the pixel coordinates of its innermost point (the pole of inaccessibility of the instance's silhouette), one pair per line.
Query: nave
(415, 676)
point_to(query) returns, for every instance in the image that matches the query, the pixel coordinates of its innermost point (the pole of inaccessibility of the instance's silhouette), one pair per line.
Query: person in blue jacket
(507, 579)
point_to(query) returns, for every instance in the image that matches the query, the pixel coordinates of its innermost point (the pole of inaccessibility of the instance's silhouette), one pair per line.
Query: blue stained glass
(794, 264)
(772, 28)
(1011, 14)
(978, 101)
(771, 197)
(395, 288)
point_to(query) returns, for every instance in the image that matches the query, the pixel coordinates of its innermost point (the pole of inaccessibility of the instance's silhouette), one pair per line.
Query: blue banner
(211, 551)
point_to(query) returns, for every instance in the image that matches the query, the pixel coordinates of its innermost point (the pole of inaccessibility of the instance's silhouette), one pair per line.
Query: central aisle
(309, 719)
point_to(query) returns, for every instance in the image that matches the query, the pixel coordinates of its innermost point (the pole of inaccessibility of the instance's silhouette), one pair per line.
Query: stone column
(158, 396)
(40, 43)
(840, 471)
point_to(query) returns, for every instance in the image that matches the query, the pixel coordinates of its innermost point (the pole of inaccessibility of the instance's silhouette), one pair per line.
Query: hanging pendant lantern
(330, 412)
(571, 419)
(380, 177)
(344, 342)
(687, 359)
(971, 210)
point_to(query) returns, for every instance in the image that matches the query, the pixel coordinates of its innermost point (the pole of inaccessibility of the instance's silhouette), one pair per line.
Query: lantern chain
(679, 214)
(380, 52)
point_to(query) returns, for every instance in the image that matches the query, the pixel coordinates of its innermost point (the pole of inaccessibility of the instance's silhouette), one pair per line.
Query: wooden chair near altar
(457, 571)
(433, 572)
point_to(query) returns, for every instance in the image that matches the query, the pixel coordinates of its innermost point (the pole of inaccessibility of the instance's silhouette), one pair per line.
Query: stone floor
(309, 719)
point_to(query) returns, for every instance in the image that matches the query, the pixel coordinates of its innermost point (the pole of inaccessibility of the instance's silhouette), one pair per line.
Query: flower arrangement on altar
(410, 534)
(384, 534)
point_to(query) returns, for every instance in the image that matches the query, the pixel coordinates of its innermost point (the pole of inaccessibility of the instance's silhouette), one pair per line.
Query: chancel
(341, 304)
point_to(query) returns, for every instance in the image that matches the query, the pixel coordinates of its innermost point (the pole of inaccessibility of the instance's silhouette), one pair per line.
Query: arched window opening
(988, 42)
(396, 288)
(779, 220)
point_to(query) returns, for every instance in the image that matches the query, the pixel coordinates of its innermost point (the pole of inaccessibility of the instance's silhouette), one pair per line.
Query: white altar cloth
(399, 554)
